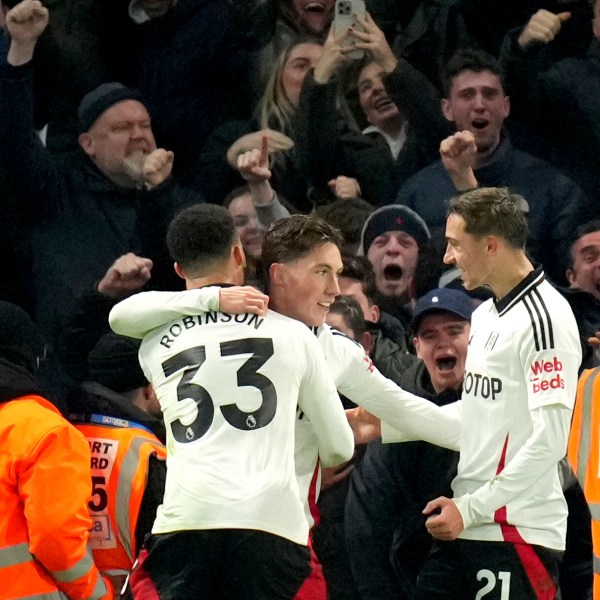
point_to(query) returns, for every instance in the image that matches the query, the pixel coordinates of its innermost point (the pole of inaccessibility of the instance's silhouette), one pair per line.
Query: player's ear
(238, 255)
(492, 244)
(277, 274)
(179, 270)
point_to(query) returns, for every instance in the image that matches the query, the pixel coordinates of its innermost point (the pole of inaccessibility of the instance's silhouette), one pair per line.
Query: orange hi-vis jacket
(44, 522)
(120, 454)
(584, 455)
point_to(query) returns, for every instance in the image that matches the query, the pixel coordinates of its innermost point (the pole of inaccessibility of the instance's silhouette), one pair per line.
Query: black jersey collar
(532, 280)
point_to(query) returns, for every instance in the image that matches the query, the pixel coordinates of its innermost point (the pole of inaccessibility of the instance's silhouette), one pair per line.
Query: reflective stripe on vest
(15, 555)
(122, 513)
(583, 451)
(19, 554)
(76, 571)
(100, 590)
(124, 478)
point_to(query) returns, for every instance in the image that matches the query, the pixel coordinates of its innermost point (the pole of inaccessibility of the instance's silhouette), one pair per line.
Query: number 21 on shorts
(491, 581)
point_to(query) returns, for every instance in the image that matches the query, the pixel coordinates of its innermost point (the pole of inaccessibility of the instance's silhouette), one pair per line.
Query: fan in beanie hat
(393, 218)
(394, 257)
(99, 100)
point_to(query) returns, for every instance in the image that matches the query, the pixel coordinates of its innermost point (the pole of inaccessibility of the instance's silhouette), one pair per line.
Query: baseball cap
(442, 300)
(100, 99)
(395, 217)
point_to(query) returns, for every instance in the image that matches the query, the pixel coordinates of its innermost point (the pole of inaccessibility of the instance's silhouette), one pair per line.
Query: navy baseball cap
(442, 300)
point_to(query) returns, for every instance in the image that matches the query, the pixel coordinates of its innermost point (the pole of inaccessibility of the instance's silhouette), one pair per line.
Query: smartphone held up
(346, 12)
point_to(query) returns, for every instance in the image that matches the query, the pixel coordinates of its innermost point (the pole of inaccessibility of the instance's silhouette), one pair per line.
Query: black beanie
(114, 363)
(395, 217)
(19, 339)
(100, 100)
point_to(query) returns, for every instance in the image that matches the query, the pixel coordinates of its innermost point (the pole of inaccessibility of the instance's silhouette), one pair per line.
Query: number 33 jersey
(229, 386)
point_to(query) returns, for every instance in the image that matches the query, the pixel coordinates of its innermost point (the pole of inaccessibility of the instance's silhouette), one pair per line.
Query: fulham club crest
(489, 345)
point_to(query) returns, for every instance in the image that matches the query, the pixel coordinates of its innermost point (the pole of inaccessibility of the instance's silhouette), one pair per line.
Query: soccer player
(303, 258)
(520, 381)
(232, 521)
(504, 531)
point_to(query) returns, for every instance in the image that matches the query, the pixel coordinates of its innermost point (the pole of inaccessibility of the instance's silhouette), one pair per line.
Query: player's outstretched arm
(413, 417)
(138, 315)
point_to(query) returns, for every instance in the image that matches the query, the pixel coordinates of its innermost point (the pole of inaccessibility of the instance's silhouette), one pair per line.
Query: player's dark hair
(294, 237)
(359, 268)
(200, 237)
(350, 309)
(493, 211)
(471, 59)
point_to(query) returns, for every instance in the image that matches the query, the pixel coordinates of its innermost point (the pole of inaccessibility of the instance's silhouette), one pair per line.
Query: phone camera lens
(345, 8)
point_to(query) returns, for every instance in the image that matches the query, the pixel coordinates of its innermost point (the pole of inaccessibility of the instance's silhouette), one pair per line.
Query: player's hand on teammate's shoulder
(243, 299)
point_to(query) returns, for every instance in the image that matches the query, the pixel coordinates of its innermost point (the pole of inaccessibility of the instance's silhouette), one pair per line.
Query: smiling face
(477, 103)
(247, 224)
(377, 106)
(441, 343)
(301, 58)
(315, 15)
(467, 253)
(119, 141)
(585, 272)
(393, 256)
(305, 288)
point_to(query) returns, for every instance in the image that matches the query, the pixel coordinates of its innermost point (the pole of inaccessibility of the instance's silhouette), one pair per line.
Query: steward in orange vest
(44, 483)
(584, 455)
(127, 458)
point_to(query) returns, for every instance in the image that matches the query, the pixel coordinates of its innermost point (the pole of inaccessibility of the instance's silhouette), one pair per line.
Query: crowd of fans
(116, 115)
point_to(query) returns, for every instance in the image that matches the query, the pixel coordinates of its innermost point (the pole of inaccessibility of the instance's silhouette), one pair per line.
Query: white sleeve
(139, 314)
(391, 435)
(543, 450)
(319, 400)
(357, 378)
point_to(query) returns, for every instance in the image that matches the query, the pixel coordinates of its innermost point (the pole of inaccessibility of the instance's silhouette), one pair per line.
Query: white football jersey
(352, 370)
(524, 354)
(229, 386)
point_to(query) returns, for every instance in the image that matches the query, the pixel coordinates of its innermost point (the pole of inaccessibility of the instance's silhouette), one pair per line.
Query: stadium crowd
(386, 180)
